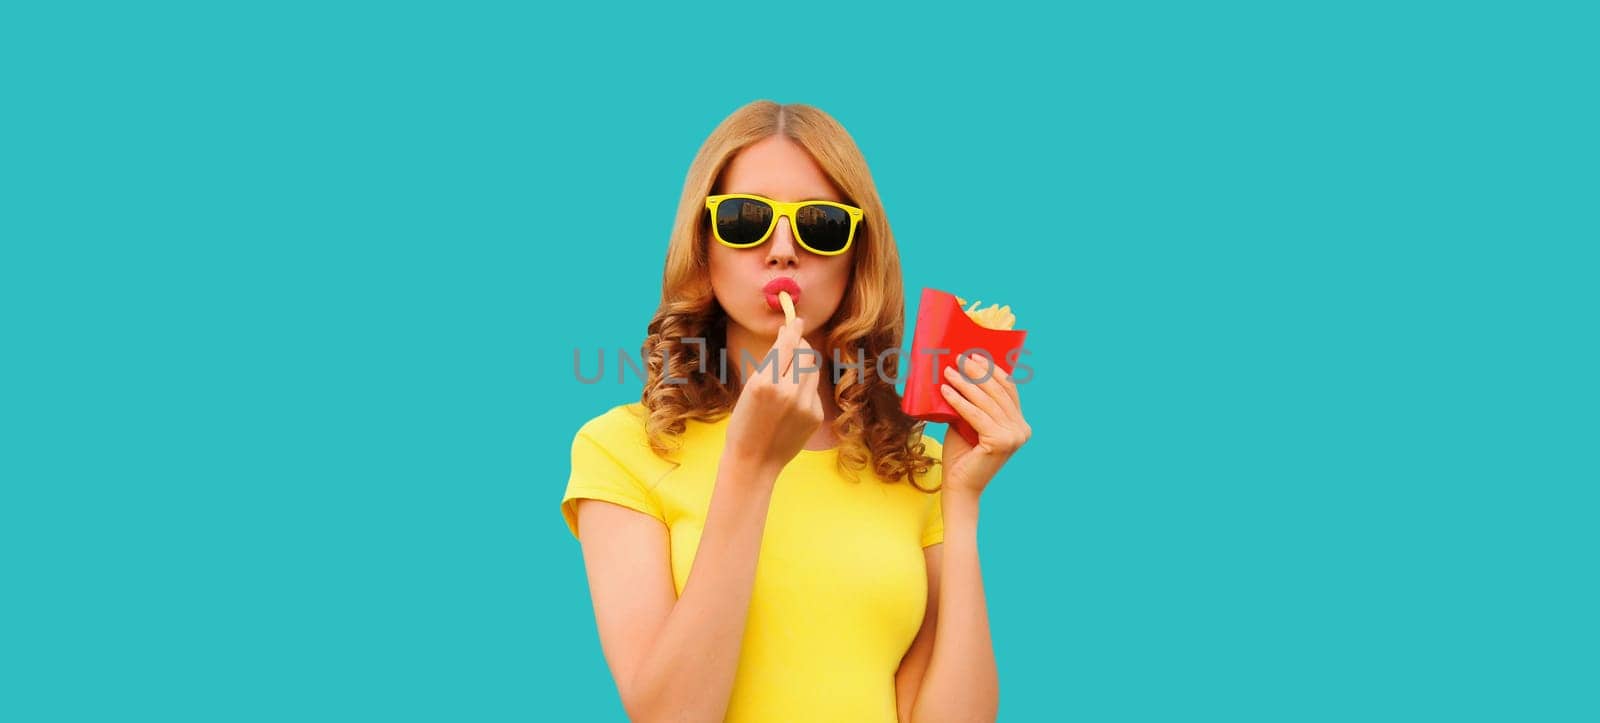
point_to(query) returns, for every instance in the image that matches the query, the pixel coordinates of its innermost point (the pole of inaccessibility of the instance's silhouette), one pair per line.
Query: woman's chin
(764, 325)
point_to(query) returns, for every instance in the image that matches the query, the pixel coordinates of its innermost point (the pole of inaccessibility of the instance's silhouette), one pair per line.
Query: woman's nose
(781, 250)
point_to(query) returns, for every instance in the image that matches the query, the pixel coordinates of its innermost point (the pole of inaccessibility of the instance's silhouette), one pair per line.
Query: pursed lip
(782, 283)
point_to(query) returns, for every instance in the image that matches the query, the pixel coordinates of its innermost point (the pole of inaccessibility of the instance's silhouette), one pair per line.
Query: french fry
(993, 316)
(788, 306)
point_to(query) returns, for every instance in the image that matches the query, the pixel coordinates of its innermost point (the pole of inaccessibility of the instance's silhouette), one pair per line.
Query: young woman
(780, 542)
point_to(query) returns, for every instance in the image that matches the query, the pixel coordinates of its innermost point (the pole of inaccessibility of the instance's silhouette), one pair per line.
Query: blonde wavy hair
(870, 319)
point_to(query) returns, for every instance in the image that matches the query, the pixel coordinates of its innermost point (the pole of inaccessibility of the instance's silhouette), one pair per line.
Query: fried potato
(993, 316)
(787, 304)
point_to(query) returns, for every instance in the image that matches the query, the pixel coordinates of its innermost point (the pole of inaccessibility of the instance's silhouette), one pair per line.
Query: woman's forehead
(778, 169)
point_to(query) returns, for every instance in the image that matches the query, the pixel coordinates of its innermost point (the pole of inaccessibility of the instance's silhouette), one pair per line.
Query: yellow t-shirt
(841, 584)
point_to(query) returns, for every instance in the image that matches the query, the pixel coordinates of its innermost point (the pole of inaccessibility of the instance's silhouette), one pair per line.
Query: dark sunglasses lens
(742, 221)
(823, 228)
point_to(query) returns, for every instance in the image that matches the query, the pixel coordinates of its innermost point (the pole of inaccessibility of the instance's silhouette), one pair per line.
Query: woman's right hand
(773, 420)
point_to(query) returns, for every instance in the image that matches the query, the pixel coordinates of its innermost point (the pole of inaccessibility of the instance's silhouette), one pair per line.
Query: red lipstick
(782, 283)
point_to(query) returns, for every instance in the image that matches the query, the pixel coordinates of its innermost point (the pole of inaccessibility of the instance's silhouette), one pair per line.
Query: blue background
(290, 296)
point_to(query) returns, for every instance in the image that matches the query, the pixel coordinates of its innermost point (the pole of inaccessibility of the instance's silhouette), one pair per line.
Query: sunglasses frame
(781, 209)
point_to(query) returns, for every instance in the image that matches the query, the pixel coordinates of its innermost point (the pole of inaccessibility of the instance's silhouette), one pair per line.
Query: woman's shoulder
(932, 447)
(621, 422)
(933, 479)
(618, 435)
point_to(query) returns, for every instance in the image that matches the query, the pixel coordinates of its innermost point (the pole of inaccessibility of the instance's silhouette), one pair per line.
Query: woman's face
(780, 169)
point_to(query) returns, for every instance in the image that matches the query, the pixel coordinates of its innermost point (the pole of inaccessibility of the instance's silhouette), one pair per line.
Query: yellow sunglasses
(743, 220)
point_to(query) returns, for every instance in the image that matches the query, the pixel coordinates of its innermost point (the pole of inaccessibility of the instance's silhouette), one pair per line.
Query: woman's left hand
(991, 406)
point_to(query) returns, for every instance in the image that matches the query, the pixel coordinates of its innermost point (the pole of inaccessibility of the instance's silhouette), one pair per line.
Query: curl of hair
(873, 431)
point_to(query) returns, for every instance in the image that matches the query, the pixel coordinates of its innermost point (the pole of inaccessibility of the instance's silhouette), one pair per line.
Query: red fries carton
(943, 325)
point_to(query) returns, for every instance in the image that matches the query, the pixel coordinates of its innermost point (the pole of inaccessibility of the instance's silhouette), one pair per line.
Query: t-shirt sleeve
(933, 522)
(607, 465)
(933, 527)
